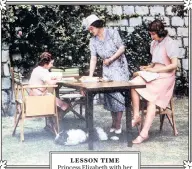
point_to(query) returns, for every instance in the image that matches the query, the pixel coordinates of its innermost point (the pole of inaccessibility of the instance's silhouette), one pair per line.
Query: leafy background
(31, 29)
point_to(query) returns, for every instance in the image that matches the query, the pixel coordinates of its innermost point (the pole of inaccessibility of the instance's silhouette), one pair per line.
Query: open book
(148, 76)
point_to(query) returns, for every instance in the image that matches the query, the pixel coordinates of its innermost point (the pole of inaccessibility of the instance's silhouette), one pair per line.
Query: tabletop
(101, 86)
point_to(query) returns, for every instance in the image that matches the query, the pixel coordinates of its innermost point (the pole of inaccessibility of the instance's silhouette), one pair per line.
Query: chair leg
(77, 114)
(22, 129)
(139, 128)
(71, 108)
(172, 123)
(57, 120)
(22, 122)
(15, 116)
(81, 108)
(172, 118)
(142, 113)
(16, 123)
(162, 117)
(46, 121)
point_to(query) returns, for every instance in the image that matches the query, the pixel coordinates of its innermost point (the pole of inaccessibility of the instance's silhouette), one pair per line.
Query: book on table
(148, 76)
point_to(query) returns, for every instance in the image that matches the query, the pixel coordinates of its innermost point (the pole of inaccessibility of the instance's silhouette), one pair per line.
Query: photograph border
(115, 3)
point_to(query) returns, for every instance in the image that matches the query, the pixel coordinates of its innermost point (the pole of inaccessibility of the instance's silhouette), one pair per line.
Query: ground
(161, 149)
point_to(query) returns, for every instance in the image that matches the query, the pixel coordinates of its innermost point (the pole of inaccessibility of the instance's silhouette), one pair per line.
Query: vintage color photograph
(101, 77)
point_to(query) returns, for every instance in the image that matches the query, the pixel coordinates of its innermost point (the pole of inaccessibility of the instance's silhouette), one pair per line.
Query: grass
(161, 148)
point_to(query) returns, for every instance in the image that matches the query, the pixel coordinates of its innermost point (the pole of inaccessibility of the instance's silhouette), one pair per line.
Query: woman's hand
(107, 62)
(53, 78)
(135, 74)
(143, 67)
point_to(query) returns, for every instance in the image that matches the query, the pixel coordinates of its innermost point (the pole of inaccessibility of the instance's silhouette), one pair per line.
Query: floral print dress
(117, 71)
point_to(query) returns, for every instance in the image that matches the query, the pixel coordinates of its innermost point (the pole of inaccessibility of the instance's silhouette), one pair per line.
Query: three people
(164, 51)
(107, 44)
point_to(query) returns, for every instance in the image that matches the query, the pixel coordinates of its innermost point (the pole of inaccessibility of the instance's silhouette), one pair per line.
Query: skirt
(158, 91)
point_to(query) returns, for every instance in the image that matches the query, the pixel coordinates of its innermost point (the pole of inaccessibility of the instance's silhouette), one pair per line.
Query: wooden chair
(17, 83)
(169, 112)
(70, 95)
(33, 106)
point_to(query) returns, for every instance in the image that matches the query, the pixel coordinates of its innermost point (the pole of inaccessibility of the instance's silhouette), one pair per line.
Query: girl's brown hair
(157, 26)
(45, 58)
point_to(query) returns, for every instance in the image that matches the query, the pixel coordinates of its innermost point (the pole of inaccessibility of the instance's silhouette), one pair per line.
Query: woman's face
(154, 36)
(93, 30)
(50, 65)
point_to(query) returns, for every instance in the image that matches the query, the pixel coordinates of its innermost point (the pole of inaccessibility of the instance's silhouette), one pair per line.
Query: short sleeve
(44, 75)
(117, 39)
(172, 49)
(92, 47)
(152, 47)
(39, 76)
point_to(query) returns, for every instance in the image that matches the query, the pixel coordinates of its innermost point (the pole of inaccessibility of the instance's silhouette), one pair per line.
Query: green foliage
(137, 47)
(182, 84)
(56, 28)
(179, 10)
(32, 29)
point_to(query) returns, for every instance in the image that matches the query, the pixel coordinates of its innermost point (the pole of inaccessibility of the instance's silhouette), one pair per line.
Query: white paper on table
(89, 80)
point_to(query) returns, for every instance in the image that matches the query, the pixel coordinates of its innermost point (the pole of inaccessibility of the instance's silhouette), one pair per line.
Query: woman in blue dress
(107, 44)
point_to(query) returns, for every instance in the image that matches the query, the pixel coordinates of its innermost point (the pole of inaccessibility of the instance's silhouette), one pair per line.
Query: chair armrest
(38, 86)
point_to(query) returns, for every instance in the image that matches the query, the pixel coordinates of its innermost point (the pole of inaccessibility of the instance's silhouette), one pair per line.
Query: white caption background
(94, 161)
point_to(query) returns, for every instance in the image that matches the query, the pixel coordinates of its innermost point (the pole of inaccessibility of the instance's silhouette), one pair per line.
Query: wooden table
(93, 88)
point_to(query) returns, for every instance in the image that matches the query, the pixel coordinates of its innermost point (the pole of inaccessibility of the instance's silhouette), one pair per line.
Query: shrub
(32, 29)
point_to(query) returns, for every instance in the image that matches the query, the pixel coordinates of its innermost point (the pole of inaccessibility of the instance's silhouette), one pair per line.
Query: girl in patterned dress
(107, 44)
(158, 92)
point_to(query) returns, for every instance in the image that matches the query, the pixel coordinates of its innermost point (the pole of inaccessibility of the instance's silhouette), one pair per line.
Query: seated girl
(41, 76)
(159, 91)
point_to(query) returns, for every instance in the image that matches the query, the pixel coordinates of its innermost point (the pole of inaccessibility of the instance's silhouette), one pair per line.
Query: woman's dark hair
(45, 58)
(98, 23)
(157, 26)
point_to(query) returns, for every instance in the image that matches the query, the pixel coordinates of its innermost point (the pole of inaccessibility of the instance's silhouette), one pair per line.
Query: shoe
(136, 121)
(140, 139)
(118, 131)
(112, 130)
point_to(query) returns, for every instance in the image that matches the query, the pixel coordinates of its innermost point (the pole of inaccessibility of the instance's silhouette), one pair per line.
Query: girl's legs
(151, 108)
(135, 104)
(64, 106)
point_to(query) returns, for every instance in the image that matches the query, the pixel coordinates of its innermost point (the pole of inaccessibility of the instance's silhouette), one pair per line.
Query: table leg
(89, 118)
(128, 118)
(57, 90)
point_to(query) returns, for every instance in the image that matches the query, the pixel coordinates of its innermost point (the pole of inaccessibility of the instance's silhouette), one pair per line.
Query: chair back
(44, 105)
(30, 105)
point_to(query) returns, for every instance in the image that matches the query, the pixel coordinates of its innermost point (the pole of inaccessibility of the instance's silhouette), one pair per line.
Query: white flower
(2, 5)
(187, 4)
(187, 164)
(70, 57)
(3, 164)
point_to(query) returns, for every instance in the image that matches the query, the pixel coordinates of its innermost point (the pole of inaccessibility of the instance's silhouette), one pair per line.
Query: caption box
(94, 160)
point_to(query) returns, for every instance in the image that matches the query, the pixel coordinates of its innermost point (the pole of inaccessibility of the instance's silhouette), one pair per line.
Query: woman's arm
(93, 63)
(110, 60)
(145, 67)
(51, 82)
(168, 68)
